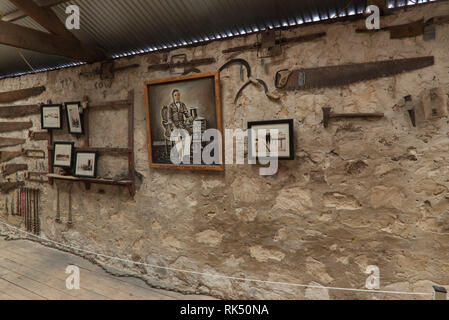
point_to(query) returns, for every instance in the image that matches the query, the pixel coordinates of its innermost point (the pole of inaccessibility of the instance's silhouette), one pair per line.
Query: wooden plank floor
(30, 271)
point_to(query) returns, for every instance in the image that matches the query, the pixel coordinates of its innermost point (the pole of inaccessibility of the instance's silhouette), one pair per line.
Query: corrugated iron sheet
(126, 27)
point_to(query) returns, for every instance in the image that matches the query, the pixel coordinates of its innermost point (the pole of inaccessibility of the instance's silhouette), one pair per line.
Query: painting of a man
(178, 114)
(176, 106)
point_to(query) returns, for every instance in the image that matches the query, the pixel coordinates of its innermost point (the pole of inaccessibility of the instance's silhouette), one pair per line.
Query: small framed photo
(74, 118)
(86, 164)
(264, 136)
(63, 154)
(51, 116)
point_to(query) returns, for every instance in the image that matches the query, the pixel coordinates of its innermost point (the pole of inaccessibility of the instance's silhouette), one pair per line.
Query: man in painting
(179, 118)
(178, 114)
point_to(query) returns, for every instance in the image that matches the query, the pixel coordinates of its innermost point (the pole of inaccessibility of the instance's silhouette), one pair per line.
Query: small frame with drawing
(86, 164)
(284, 140)
(74, 118)
(63, 154)
(51, 116)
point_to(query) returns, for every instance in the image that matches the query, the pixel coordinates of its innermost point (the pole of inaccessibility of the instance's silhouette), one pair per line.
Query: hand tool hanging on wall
(7, 187)
(256, 82)
(6, 156)
(34, 154)
(9, 169)
(331, 76)
(107, 70)
(11, 142)
(413, 29)
(14, 126)
(6, 207)
(17, 202)
(16, 95)
(58, 208)
(69, 217)
(328, 115)
(241, 62)
(184, 63)
(269, 41)
(37, 177)
(19, 111)
(38, 135)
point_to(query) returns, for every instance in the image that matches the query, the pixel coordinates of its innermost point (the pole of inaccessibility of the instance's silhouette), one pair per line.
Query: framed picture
(51, 116)
(86, 164)
(74, 118)
(63, 154)
(262, 138)
(190, 104)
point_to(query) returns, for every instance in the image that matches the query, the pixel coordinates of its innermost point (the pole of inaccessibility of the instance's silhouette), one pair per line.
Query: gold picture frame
(166, 109)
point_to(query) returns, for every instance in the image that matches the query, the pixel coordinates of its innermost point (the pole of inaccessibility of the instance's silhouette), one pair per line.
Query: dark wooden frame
(68, 118)
(216, 76)
(71, 155)
(60, 116)
(129, 151)
(291, 126)
(95, 153)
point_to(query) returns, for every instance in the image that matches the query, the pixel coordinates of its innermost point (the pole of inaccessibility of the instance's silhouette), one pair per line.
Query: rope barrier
(217, 275)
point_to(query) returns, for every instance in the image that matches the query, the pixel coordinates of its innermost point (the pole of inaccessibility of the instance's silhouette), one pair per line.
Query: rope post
(440, 293)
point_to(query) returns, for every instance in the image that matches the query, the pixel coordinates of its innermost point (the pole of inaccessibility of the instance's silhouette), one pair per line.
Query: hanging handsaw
(332, 76)
(19, 111)
(14, 126)
(16, 95)
(11, 142)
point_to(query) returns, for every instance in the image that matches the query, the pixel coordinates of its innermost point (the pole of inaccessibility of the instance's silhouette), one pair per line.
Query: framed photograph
(190, 104)
(74, 118)
(51, 116)
(262, 138)
(86, 164)
(63, 154)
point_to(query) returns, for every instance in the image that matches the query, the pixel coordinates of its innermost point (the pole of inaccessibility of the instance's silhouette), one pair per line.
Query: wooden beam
(19, 14)
(34, 40)
(11, 96)
(45, 17)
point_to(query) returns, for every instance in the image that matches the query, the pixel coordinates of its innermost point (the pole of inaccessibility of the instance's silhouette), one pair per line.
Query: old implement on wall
(14, 126)
(38, 135)
(180, 61)
(328, 115)
(7, 187)
(16, 95)
(332, 76)
(412, 29)
(19, 111)
(108, 69)
(272, 43)
(11, 142)
(9, 169)
(6, 156)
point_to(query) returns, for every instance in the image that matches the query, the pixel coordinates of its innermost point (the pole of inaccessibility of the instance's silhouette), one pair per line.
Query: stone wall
(359, 192)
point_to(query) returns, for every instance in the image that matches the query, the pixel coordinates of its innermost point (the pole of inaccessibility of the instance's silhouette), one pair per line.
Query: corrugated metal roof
(126, 27)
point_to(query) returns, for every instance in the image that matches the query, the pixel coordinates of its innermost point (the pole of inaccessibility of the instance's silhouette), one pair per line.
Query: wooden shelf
(101, 150)
(89, 181)
(129, 151)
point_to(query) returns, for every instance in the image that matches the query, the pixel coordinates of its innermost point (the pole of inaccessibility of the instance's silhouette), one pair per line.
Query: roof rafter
(45, 17)
(34, 40)
(19, 14)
